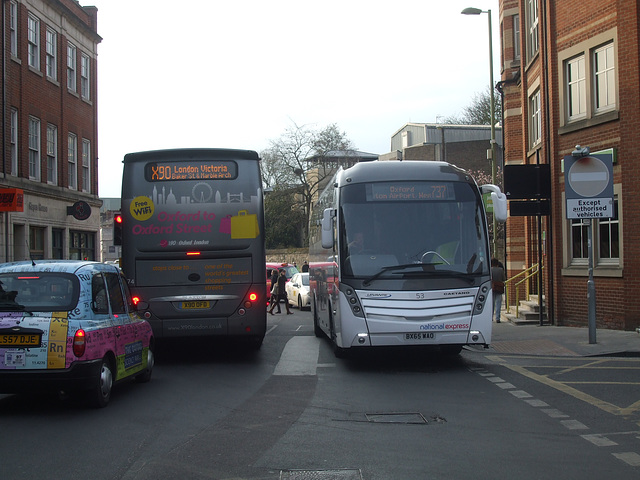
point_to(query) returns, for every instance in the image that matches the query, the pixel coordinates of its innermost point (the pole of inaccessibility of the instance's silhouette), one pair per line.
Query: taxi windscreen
(38, 292)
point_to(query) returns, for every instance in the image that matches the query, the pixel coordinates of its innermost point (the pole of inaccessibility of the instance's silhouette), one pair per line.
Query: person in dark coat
(282, 294)
(497, 285)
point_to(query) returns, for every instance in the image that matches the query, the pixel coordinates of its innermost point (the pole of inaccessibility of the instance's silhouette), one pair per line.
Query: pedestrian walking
(273, 289)
(282, 294)
(305, 267)
(497, 286)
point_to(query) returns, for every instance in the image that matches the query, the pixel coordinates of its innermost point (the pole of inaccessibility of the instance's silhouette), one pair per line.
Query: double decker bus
(193, 241)
(399, 256)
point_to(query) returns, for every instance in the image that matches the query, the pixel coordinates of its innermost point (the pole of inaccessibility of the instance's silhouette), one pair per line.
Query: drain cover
(396, 418)
(340, 474)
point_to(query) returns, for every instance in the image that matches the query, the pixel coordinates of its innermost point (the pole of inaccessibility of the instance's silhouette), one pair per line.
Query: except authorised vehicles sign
(589, 186)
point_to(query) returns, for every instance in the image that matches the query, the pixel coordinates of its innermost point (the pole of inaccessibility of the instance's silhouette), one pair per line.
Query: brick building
(49, 205)
(570, 76)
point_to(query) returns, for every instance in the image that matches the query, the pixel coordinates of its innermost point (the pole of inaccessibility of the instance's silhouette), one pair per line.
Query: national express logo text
(445, 326)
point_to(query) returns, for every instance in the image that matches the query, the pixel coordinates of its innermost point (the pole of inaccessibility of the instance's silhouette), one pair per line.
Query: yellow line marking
(577, 382)
(579, 367)
(634, 407)
(596, 402)
(564, 386)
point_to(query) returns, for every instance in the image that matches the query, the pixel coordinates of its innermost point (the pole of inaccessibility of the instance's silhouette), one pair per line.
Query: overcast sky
(236, 74)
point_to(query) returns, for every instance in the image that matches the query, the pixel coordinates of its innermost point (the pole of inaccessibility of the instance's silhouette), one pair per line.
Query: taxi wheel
(145, 376)
(300, 302)
(100, 395)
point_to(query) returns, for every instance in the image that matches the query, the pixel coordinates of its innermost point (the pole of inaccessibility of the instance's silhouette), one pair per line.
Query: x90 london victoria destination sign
(589, 186)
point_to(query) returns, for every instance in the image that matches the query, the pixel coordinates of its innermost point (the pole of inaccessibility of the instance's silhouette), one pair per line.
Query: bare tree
(303, 158)
(478, 112)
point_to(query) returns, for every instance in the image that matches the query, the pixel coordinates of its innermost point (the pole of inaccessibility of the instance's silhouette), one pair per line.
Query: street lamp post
(491, 153)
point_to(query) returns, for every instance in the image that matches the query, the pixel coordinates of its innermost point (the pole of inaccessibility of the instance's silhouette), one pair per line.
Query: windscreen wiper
(404, 266)
(11, 306)
(470, 278)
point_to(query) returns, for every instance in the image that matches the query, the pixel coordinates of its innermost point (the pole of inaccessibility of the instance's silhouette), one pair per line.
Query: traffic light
(117, 229)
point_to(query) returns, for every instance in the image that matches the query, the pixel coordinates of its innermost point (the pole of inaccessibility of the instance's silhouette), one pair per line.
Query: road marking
(574, 425)
(631, 458)
(563, 387)
(271, 329)
(555, 413)
(599, 440)
(299, 357)
(520, 394)
(534, 402)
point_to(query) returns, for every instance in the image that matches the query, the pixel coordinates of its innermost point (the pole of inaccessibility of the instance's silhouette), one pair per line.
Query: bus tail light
(79, 343)
(249, 301)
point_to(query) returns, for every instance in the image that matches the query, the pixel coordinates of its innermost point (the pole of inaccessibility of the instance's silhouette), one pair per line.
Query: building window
(36, 243)
(72, 159)
(34, 148)
(85, 69)
(516, 37)
(57, 246)
(86, 165)
(579, 239)
(576, 88)
(609, 237)
(535, 120)
(33, 27)
(532, 29)
(13, 28)
(604, 78)
(52, 154)
(71, 67)
(606, 240)
(589, 83)
(52, 58)
(14, 142)
(82, 245)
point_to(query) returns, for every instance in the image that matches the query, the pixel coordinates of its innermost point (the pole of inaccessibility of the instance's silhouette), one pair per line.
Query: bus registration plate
(419, 336)
(195, 305)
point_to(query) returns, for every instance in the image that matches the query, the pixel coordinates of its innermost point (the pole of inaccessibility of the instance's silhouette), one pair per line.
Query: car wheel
(145, 376)
(100, 395)
(300, 302)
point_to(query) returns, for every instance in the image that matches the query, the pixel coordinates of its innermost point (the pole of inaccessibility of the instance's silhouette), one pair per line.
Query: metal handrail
(527, 273)
(527, 294)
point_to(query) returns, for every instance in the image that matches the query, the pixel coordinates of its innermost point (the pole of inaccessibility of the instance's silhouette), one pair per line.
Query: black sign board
(79, 210)
(526, 208)
(522, 182)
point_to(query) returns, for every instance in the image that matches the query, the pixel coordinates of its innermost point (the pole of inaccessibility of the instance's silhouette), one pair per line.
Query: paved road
(292, 410)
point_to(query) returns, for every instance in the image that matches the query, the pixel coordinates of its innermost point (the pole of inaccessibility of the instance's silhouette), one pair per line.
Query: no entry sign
(588, 185)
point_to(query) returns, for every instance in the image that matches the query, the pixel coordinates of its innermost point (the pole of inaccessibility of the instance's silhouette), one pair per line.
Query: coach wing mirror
(499, 201)
(327, 228)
